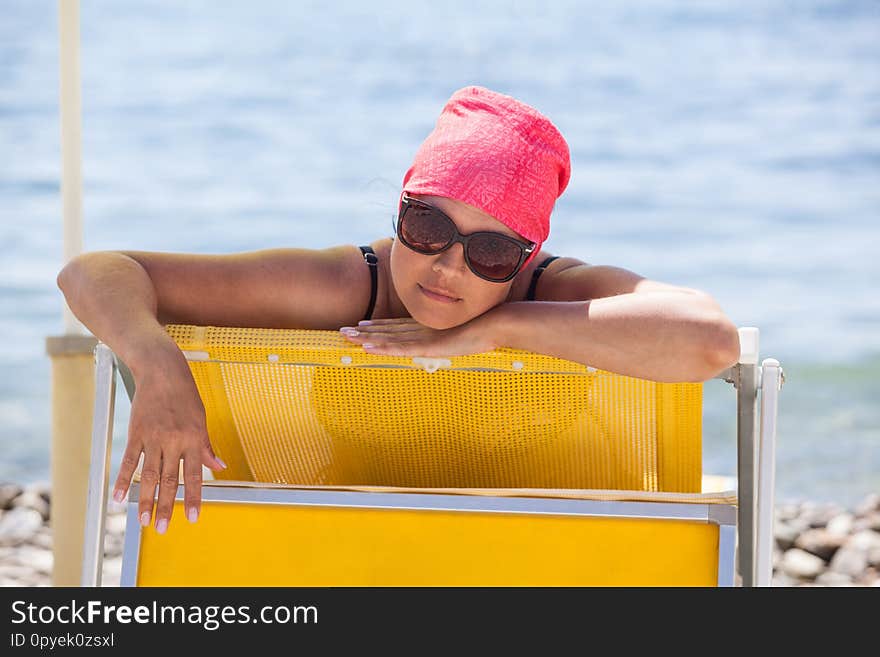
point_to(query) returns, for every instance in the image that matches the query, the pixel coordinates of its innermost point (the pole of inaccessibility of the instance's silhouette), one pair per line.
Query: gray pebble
(113, 545)
(868, 577)
(787, 511)
(34, 558)
(868, 504)
(849, 560)
(31, 499)
(18, 525)
(868, 521)
(16, 572)
(42, 538)
(8, 492)
(43, 489)
(820, 542)
(831, 578)
(818, 515)
(781, 579)
(800, 564)
(840, 525)
(114, 508)
(864, 540)
(786, 533)
(112, 572)
(115, 524)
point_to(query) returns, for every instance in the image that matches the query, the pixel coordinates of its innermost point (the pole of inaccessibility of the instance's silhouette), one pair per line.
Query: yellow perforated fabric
(307, 407)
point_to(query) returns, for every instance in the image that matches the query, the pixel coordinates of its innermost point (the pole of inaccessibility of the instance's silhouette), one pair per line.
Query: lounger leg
(99, 466)
(746, 381)
(771, 382)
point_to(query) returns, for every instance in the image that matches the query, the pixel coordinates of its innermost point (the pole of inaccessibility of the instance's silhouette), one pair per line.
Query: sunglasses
(490, 255)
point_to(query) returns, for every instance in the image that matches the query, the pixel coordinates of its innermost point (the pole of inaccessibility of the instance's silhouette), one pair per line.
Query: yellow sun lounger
(507, 468)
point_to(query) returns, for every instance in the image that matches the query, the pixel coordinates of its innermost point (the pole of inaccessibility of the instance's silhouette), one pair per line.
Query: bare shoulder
(572, 279)
(270, 288)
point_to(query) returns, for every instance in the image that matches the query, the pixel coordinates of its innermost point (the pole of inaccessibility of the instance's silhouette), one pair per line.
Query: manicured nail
(193, 514)
(220, 461)
(365, 322)
(347, 330)
(118, 496)
(368, 345)
(145, 518)
(161, 526)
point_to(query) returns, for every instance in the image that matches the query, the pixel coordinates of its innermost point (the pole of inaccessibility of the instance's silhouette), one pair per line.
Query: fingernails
(220, 461)
(145, 518)
(193, 514)
(368, 345)
(351, 332)
(118, 495)
(161, 526)
(365, 322)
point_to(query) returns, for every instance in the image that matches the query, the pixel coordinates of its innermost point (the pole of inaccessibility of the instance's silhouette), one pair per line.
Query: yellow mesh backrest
(309, 407)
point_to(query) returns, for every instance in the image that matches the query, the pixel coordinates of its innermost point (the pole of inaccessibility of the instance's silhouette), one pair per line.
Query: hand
(167, 423)
(406, 337)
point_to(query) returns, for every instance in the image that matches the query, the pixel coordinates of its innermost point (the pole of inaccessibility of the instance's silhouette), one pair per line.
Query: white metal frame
(99, 465)
(723, 515)
(756, 449)
(756, 446)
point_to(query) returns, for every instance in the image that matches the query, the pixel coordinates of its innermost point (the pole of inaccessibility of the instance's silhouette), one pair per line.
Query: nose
(451, 261)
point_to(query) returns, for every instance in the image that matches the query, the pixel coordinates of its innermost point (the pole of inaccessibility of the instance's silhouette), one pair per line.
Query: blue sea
(732, 147)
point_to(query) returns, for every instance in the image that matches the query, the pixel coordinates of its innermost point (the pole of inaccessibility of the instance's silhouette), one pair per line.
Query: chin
(434, 321)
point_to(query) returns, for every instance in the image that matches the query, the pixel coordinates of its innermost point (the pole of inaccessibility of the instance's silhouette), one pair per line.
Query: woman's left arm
(626, 324)
(660, 336)
(602, 316)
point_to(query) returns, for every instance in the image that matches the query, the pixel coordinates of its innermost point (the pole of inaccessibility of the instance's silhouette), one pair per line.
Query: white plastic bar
(99, 466)
(770, 386)
(70, 101)
(748, 345)
(431, 365)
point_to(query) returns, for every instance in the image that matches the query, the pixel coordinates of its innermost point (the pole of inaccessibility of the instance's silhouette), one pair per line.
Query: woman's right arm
(126, 297)
(112, 295)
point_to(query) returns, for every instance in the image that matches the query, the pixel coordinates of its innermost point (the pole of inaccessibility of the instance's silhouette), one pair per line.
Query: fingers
(375, 332)
(208, 458)
(388, 344)
(168, 491)
(130, 459)
(399, 349)
(192, 485)
(164, 473)
(390, 321)
(149, 480)
(385, 329)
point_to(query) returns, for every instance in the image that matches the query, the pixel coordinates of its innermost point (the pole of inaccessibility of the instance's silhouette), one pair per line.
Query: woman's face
(413, 274)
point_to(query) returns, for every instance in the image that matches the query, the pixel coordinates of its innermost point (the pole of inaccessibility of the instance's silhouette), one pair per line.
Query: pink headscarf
(498, 154)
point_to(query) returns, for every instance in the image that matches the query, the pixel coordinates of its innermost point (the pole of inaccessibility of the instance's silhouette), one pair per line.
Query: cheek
(408, 269)
(403, 270)
(485, 296)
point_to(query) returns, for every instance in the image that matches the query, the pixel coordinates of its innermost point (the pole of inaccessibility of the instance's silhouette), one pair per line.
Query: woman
(465, 275)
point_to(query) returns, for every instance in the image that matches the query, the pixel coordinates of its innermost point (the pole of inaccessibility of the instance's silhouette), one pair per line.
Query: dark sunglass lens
(424, 229)
(493, 257)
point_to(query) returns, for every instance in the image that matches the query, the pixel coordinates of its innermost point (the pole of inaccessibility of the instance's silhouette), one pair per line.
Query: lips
(440, 295)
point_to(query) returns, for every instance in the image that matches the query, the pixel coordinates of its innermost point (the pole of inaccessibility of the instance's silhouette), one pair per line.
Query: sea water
(732, 147)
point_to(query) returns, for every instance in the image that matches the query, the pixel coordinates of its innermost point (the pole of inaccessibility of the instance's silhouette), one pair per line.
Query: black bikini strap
(372, 261)
(536, 274)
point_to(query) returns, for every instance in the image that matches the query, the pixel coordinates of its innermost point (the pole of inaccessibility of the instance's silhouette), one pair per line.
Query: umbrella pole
(73, 364)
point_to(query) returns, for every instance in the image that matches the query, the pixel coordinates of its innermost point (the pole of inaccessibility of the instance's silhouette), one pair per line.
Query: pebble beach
(817, 544)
